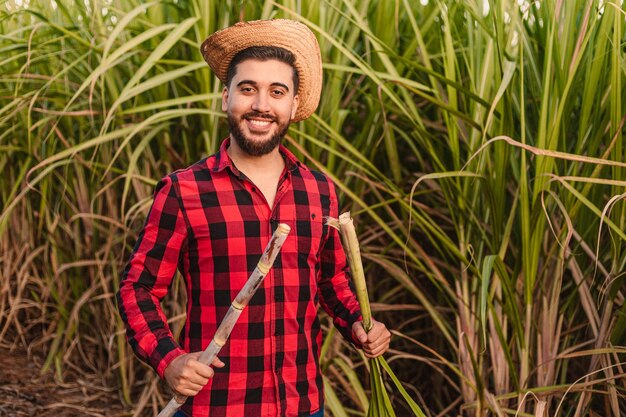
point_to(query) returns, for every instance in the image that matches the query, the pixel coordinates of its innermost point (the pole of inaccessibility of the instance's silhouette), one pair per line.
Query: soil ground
(25, 392)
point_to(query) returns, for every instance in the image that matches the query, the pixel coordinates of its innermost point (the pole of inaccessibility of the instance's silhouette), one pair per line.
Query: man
(212, 222)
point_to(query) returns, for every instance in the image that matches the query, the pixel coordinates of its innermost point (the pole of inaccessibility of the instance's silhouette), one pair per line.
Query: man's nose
(261, 103)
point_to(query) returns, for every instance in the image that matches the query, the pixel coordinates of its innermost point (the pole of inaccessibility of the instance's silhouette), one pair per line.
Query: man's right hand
(186, 376)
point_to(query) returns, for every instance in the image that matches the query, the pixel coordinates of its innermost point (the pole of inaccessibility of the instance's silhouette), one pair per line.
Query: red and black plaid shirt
(211, 222)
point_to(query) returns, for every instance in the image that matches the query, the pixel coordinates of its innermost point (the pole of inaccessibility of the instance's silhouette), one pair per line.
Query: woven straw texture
(221, 47)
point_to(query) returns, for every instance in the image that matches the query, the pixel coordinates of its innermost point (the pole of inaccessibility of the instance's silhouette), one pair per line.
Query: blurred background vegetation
(479, 145)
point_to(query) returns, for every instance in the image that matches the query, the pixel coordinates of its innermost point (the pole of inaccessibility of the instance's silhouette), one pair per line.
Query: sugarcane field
(313, 208)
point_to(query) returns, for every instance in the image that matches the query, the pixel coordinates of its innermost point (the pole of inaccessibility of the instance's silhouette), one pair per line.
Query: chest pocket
(304, 208)
(310, 233)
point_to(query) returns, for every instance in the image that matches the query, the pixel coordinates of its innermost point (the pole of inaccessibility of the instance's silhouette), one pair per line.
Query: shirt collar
(222, 159)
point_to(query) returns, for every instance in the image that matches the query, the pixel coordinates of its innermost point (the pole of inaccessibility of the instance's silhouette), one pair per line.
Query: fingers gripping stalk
(239, 303)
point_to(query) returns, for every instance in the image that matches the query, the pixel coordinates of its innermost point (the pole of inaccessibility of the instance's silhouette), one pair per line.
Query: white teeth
(260, 122)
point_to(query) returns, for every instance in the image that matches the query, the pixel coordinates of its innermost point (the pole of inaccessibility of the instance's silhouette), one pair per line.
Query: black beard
(254, 148)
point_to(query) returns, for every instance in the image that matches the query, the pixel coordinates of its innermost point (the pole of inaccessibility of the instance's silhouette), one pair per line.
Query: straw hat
(221, 47)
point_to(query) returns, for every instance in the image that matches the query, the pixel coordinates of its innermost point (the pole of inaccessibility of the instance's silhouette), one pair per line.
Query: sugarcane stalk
(234, 311)
(380, 404)
(353, 252)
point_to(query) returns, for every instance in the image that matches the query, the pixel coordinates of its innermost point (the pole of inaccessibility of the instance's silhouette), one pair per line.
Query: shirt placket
(277, 310)
(272, 280)
(264, 213)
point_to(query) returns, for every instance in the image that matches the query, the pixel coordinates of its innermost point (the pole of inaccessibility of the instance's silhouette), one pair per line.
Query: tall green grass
(479, 146)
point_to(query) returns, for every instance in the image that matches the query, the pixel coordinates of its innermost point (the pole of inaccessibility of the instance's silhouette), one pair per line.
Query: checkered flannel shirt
(210, 222)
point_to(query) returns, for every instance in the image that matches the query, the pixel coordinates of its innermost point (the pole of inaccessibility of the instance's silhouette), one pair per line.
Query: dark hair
(263, 53)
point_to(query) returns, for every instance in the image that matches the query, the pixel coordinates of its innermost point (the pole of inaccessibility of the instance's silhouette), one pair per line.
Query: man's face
(260, 102)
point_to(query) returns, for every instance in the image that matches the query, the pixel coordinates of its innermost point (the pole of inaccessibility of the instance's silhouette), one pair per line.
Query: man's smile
(258, 126)
(260, 122)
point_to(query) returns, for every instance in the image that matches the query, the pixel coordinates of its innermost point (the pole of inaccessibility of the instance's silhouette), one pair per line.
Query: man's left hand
(376, 342)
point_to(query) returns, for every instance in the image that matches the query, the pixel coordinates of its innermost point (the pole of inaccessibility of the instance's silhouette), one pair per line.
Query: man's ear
(294, 106)
(225, 99)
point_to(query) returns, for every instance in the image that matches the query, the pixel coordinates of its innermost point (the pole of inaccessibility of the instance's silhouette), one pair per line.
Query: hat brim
(221, 47)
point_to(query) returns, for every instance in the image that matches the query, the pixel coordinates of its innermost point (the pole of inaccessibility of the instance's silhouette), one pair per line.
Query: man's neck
(264, 171)
(249, 164)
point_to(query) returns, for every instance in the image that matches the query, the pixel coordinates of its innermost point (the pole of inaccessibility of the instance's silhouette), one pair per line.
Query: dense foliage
(479, 145)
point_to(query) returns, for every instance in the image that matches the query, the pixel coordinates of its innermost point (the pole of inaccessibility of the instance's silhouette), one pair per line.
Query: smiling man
(212, 221)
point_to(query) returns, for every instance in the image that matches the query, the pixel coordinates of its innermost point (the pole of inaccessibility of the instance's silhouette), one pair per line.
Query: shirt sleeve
(335, 288)
(147, 277)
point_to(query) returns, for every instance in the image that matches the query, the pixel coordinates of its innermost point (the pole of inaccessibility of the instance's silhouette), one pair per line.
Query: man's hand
(186, 376)
(376, 342)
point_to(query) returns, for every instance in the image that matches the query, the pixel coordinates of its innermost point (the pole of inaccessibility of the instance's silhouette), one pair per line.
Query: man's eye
(278, 92)
(247, 89)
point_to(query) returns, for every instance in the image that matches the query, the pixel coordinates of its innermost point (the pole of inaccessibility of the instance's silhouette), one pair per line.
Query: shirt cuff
(167, 359)
(356, 318)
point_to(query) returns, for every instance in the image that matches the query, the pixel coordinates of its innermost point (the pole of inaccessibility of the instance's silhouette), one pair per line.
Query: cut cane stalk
(353, 252)
(234, 311)
(380, 404)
